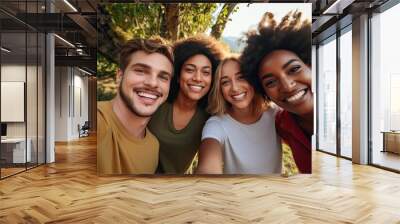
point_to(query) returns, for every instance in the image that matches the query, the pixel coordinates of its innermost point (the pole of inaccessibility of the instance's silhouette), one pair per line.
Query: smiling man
(124, 144)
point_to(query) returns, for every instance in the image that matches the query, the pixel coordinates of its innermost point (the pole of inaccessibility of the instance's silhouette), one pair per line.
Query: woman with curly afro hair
(277, 62)
(178, 123)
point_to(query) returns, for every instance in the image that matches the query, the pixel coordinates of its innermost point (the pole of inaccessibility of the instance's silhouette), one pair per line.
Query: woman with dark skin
(277, 63)
(178, 123)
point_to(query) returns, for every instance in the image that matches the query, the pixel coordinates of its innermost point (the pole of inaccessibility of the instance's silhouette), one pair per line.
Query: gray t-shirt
(247, 148)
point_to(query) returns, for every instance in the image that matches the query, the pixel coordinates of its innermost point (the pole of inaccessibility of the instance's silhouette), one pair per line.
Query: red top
(291, 133)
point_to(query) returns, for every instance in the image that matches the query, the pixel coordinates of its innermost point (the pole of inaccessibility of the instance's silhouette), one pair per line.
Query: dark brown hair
(151, 45)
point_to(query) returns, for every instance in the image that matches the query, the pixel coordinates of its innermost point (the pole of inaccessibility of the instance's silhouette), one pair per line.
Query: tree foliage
(195, 18)
(135, 20)
(222, 19)
(105, 68)
(103, 95)
(169, 20)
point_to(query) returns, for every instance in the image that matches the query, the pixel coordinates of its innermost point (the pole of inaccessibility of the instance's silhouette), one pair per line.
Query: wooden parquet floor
(10, 171)
(69, 191)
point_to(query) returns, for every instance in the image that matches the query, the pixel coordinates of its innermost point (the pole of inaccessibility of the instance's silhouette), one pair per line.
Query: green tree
(222, 19)
(172, 21)
(139, 20)
(195, 18)
(105, 67)
(103, 95)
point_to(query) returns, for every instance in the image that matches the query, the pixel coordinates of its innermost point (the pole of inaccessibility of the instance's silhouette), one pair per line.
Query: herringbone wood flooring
(69, 191)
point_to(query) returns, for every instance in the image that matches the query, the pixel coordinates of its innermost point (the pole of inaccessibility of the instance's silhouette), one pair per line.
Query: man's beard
(129, 103)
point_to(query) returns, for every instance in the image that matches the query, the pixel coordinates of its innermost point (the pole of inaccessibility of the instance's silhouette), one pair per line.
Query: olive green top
(177, 147)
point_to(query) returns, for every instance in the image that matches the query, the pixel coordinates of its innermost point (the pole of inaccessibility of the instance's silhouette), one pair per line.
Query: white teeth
(148, 95)
(239, 96)
(296, 96)
(196, 87)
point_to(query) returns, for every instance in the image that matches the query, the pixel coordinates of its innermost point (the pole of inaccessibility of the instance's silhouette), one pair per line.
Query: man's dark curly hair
(292, 34)
(185, 49)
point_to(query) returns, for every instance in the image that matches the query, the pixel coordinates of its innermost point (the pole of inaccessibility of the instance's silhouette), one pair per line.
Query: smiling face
(145, 82)
(195, 78)
(235, 89)
(286, 80)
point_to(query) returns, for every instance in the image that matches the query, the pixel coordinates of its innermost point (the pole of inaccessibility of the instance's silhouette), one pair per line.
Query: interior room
(22, 102)
(31, 92)
(49, 90)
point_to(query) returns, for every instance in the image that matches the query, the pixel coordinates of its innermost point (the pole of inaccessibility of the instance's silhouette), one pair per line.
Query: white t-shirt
(247, 148)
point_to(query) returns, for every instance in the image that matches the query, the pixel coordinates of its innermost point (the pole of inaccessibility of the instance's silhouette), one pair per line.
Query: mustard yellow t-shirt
(117, 151)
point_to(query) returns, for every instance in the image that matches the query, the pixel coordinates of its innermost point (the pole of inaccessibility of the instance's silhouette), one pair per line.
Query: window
(22, 74)
(385, 89)
(346, 92)
(327, 96)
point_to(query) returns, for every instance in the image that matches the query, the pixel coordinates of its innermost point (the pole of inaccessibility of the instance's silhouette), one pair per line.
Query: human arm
(210, 157)
(211, 148)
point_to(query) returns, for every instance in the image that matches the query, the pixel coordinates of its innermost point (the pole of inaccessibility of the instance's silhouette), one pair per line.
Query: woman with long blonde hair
(240, 137)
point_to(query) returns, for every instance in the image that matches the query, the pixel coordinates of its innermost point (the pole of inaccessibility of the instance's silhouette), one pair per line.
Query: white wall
(62, 81)
(12, 73)
(33, 126)
(71, 94)
(80, 111)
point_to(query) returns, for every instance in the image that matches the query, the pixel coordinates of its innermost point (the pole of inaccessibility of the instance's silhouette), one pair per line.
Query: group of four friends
(247, 114)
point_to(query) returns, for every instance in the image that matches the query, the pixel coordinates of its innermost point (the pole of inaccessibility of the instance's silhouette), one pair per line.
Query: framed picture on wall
(194, 88)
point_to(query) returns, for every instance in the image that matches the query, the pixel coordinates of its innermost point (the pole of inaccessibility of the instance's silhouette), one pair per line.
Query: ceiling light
(71, 6)
(79, 51)
(64, 40)
(5, 50)
(337, 7)
(331, 7)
